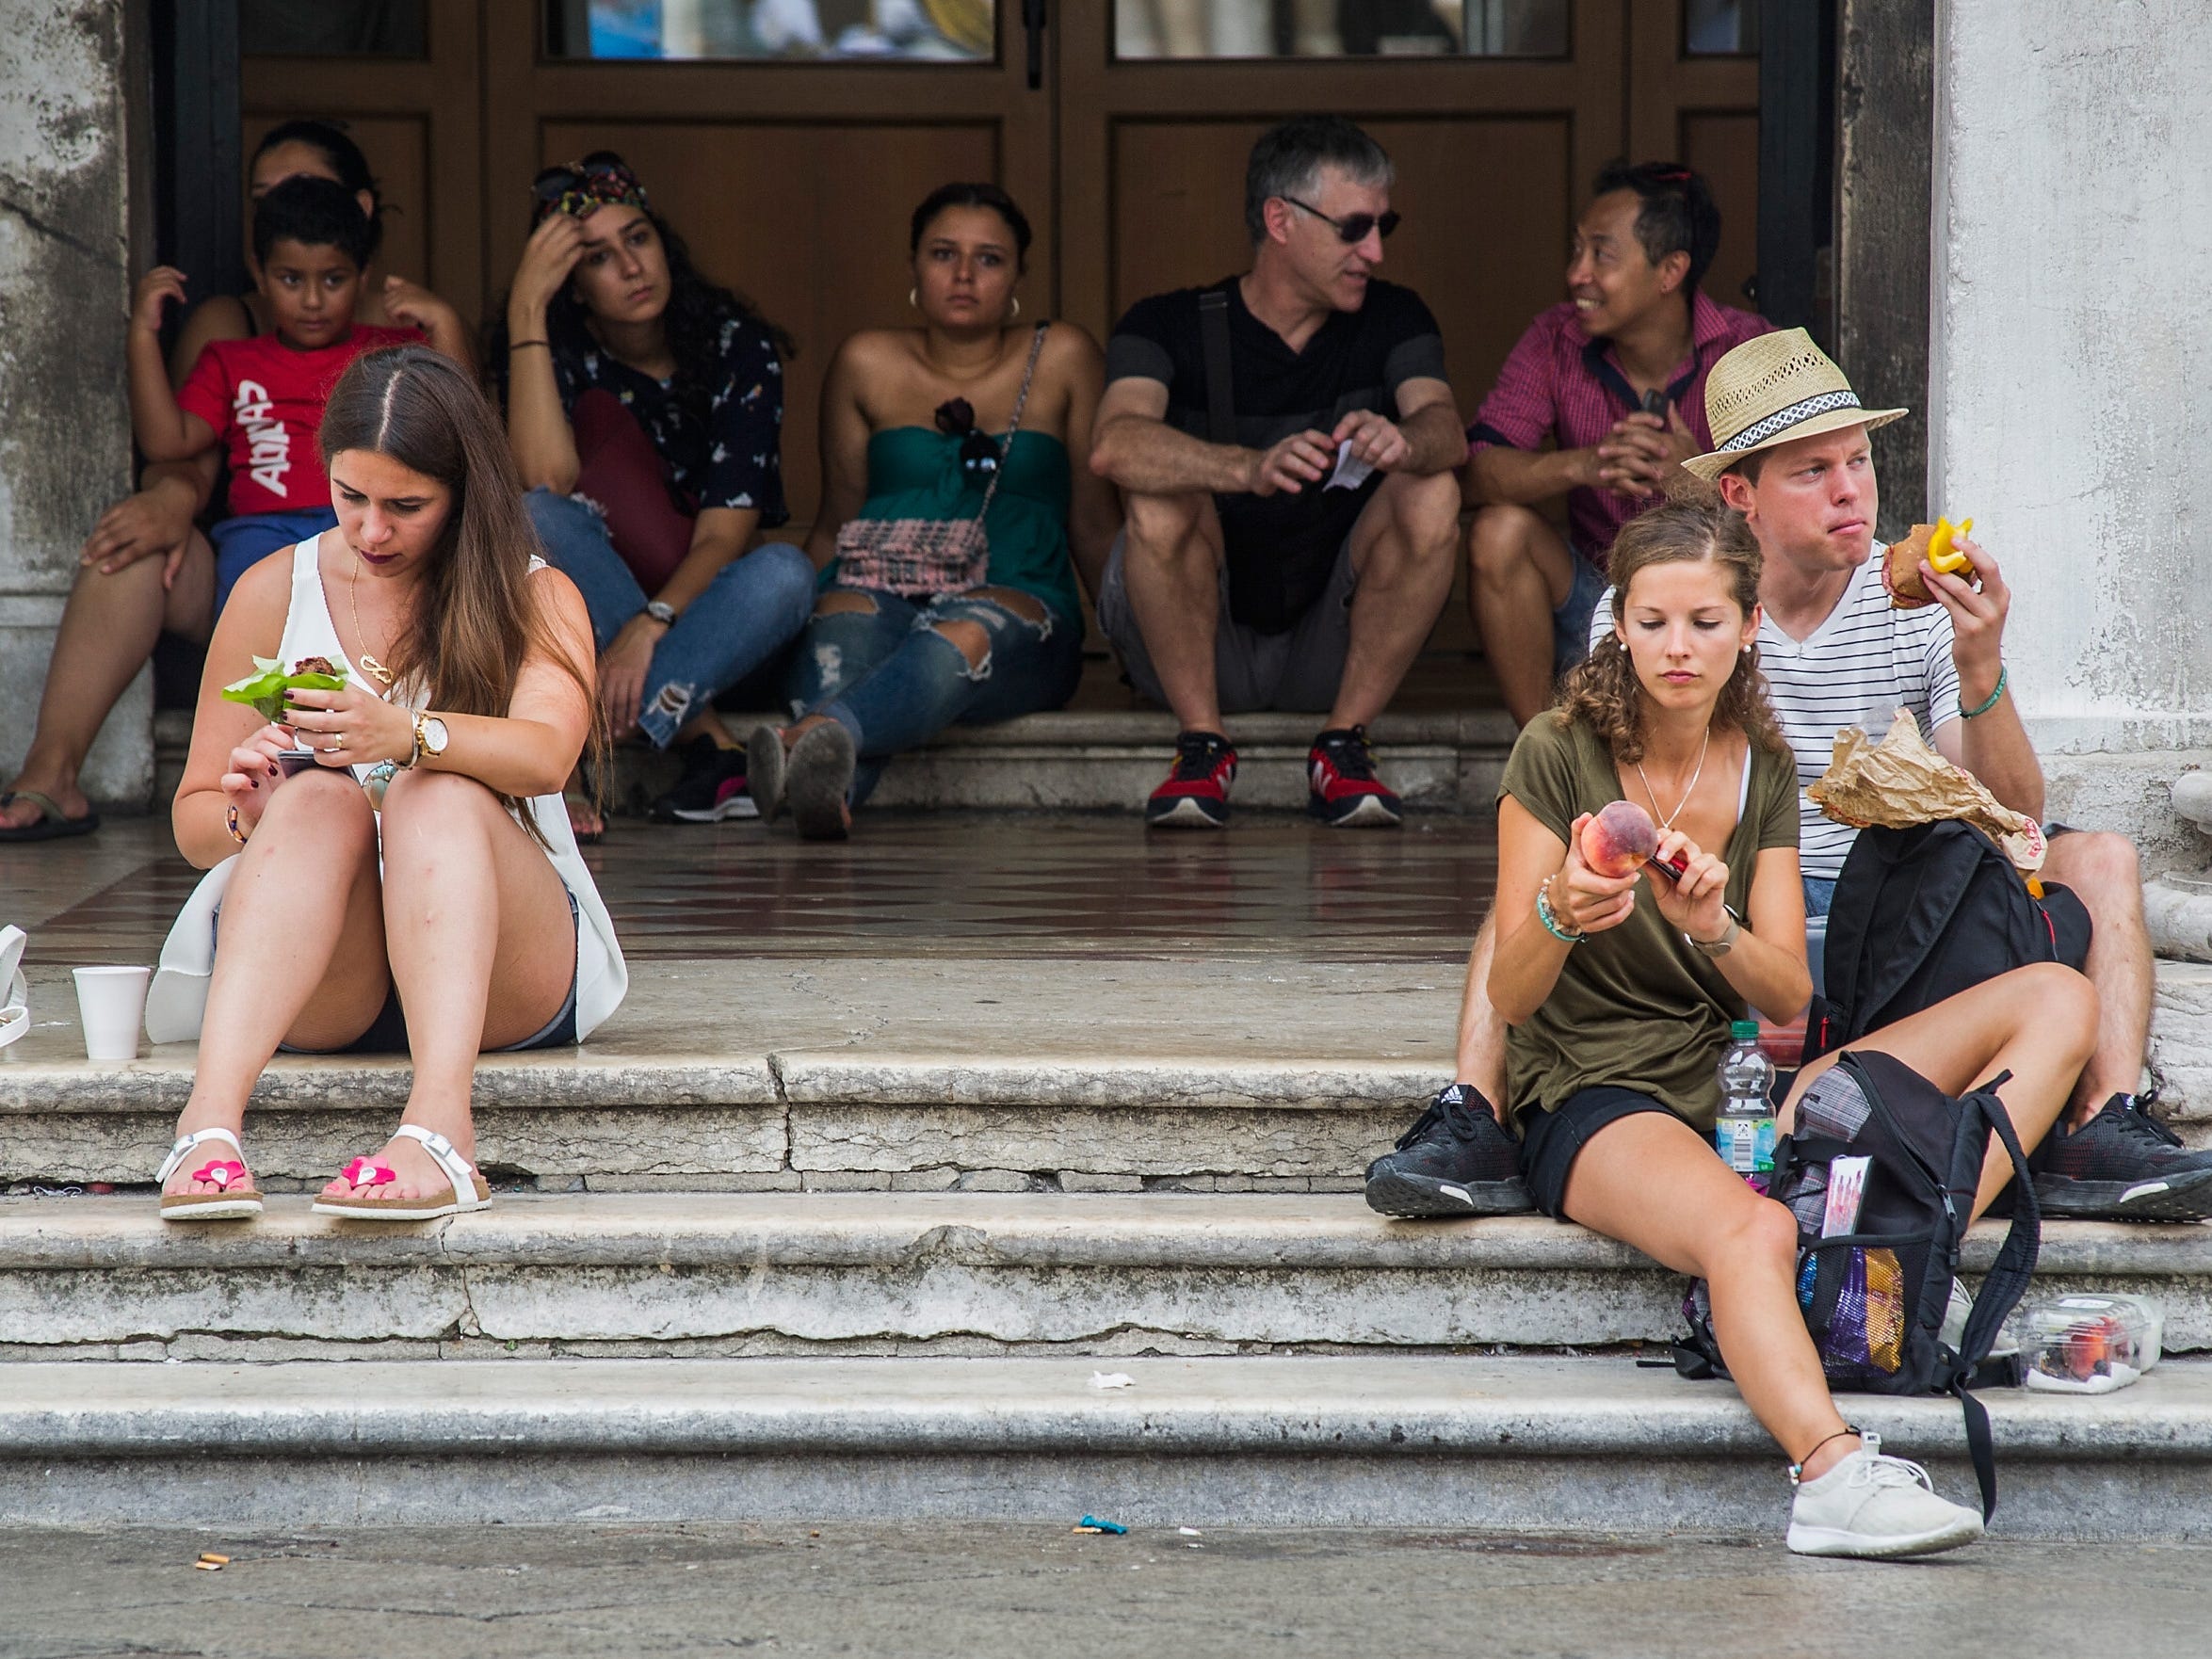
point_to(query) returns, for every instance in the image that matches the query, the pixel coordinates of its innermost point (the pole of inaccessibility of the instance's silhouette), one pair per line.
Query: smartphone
(1654, 403)
(296, 759)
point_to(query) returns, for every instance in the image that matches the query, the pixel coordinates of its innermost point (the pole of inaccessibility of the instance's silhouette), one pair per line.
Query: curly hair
(1602, 691)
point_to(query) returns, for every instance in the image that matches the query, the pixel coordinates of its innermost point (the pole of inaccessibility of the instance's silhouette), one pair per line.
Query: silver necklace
(1666, 820)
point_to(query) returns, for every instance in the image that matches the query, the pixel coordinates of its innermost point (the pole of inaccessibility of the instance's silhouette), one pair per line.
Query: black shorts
(1551, 1140)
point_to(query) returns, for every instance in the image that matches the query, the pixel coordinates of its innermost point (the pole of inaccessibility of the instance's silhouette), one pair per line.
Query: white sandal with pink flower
(223, 1173)
(469, 1191)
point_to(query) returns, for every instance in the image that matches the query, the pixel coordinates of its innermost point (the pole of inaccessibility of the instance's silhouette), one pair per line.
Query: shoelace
(1196, 758)
(2135, 1120)
(1880, 1471)
(1349, 754)
(1449, 1109)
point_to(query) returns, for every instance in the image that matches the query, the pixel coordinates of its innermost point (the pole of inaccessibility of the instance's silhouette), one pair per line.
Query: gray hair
(1289, 156)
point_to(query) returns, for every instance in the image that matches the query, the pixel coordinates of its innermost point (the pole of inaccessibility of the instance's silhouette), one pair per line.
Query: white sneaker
(1877, 1508)
(1954, 1328)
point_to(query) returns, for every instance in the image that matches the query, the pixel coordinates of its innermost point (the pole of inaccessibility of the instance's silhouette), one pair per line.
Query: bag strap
(1014, 425)
(2004, 1285)
(1213, 326)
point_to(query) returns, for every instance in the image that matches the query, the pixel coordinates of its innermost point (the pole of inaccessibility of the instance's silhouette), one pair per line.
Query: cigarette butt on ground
(208, 1566)
(214, 1559)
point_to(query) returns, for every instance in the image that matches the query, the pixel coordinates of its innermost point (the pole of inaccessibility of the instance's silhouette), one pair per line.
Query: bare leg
(1402, 550)
(2037, 1022)
(477, 924)
(1519, 572)
(2106, 875)
(302, 951)
(1652, 1182)
(1171, 562)
(1483, 1034)
(108, 632)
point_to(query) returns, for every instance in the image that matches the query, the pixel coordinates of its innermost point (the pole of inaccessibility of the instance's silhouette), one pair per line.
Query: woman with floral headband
(645, 406)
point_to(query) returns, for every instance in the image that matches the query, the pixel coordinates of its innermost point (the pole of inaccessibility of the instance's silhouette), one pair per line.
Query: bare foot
(414, 1173)
(22, 813)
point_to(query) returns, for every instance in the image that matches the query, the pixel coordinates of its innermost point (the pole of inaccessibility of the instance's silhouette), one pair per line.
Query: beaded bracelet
(230, 818)
(1550, 918)
(2004, 673)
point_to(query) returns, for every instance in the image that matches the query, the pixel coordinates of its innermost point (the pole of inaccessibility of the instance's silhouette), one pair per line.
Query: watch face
(434, 736)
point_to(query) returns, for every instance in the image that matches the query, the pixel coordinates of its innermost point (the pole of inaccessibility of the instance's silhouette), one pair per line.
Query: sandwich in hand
(1938, 545)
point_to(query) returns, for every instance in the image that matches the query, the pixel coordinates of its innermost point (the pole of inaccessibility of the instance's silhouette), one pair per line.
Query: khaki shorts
(1297, 671)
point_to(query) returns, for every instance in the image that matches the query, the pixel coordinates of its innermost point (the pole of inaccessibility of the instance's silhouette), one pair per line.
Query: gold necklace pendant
(383, 675)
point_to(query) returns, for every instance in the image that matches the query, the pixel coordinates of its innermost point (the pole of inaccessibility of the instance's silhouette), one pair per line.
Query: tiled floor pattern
(939, 884)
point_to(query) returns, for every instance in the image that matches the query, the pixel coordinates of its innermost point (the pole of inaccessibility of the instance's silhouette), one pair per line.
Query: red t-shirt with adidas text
(265, 401)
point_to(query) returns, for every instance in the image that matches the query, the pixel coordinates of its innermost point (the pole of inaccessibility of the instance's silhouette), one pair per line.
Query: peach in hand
(1616, 842)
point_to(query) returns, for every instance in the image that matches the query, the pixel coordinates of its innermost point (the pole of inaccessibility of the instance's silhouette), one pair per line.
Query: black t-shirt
(1282, 547)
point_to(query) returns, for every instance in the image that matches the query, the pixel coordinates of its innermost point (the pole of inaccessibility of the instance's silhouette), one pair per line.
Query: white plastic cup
(112, 1003)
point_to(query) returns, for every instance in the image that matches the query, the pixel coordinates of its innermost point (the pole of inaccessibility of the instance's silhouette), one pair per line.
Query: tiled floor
(941, 884)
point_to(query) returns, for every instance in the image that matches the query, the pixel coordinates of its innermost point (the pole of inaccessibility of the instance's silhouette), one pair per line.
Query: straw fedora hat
(1773, 390)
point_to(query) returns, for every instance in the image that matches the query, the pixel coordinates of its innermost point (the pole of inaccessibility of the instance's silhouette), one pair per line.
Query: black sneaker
(1456, 1160)
(1340, 787)
(1196, 793)
(2123, 1165)
(711, 789)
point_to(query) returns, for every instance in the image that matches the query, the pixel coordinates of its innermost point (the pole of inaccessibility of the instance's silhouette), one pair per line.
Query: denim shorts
(1572, 616)
(1550, 1141)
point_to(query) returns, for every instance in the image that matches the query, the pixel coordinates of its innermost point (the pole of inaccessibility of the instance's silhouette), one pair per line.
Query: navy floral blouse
(731, 459)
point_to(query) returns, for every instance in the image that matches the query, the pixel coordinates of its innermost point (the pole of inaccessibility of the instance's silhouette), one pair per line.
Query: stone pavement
(1017, 1592)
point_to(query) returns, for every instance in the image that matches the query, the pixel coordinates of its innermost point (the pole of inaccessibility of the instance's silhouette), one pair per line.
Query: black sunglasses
(1353, 227)
(956, 418)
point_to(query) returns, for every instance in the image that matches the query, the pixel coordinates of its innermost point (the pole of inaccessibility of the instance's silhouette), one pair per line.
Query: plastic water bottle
(1744, 1134)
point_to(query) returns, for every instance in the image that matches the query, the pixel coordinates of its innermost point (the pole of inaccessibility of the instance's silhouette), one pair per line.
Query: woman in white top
(458, 918)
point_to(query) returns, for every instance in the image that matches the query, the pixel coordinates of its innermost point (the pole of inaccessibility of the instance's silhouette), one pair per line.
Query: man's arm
(1436, 437)
(1499, 477)
(1992, 745)
(1138, 450)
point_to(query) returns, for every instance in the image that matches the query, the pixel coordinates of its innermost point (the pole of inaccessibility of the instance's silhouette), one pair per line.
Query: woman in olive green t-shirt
(1619, 990)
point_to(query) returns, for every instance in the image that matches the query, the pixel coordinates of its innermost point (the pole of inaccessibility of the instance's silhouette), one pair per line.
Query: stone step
(1542, 1443)
(1447, 761)
(746, 1275)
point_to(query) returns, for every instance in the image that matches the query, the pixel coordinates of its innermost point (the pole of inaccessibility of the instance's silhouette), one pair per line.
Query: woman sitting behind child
(1620, 991)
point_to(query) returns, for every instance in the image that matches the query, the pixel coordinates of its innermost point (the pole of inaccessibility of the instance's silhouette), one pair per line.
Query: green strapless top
(914, 473)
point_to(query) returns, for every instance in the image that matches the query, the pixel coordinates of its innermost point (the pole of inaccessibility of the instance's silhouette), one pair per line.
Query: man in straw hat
(1791, 454)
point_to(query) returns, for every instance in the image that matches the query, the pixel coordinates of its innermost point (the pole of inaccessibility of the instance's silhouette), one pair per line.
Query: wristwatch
(430, 736)
(661, 611)
(1716, 948)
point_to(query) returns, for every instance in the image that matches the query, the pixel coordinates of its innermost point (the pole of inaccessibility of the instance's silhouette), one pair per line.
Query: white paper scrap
(1350, 472)
(1112, 1380)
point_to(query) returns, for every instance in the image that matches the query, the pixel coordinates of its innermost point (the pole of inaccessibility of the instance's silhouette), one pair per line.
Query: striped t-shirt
(1862, 665)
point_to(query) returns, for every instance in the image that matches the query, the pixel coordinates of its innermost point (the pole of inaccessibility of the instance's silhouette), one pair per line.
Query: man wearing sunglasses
(1285, 442)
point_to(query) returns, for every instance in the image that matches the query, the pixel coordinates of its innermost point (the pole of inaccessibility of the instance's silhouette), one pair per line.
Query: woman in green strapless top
(915, 424)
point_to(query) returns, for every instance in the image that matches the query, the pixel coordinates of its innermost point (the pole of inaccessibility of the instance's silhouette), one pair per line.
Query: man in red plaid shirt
(1614, 380)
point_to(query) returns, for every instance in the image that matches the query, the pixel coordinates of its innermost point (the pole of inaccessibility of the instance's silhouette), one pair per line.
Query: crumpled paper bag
(1901, 781)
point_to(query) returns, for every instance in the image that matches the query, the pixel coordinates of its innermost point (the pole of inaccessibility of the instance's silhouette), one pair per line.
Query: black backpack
(1923, 913)
(1874, 1300)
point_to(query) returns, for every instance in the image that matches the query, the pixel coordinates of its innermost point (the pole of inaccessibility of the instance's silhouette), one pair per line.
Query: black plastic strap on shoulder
(1213, 326)
(1980, 1449)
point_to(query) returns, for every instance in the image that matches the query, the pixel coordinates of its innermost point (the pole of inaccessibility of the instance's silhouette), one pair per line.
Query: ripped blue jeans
(887, 676)
(754, 607)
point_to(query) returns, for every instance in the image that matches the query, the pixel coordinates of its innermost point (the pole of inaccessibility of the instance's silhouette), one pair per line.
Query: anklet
(1797, 1469)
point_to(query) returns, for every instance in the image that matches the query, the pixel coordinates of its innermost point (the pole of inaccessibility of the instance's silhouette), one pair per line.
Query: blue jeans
(888, 678)
(1819, 895)
(1572, 618)
(754, 607)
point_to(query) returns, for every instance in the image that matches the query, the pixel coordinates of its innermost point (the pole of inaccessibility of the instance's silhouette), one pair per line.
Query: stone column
(71, 115)
(2071, 378)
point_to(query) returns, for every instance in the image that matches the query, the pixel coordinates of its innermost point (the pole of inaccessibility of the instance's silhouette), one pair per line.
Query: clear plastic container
(2087, 1344)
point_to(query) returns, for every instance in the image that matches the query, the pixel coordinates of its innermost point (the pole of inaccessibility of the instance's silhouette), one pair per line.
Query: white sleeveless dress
(178, 997)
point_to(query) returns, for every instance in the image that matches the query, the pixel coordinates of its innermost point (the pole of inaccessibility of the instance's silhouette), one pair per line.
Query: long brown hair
(476, 615)
(1602, 691)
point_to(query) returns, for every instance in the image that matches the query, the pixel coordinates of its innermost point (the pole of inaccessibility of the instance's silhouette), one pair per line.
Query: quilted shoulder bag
(917, 557)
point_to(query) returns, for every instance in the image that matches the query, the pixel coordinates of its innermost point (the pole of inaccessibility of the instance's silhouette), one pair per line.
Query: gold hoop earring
(913, 298)
(1015, 315)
